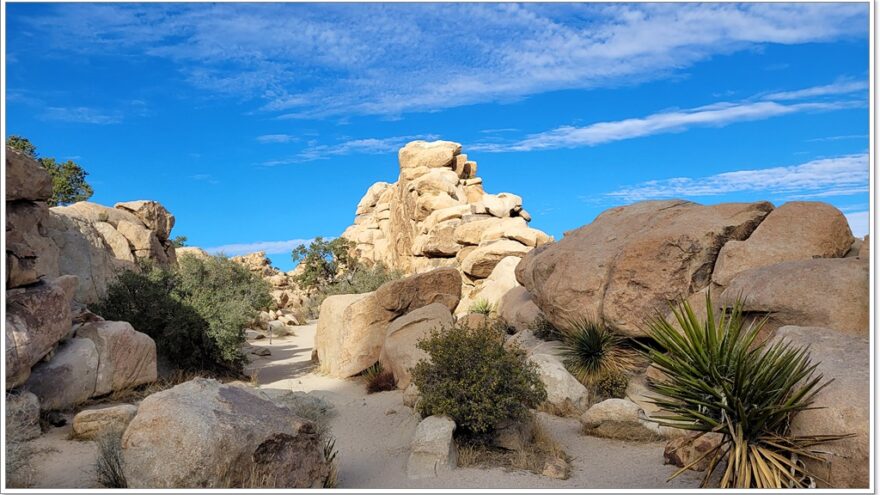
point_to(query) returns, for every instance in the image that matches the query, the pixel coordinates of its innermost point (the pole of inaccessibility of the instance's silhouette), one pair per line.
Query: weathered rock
(474, 320)
(350, 333)
(632, 261)
(563, 390)
(842, 407)
(83, 252)
(401, 296)
(481, 261)
(90, 424)
(433, 154)
(486, 229)
(518, 310)
(37, 317)
(223, 436)
(693, 448)
(68, 378)
(30, 254)
(118, 243)
(865, 248)
(22, 416)
(829, 293)
(433, 450)
(621, 419)
(513, 435)
(26, 179)
(797, 230)
(411, 395)
(191, 251)
(127, 358)
(494, 287)
(144, 243)
(152, 214)
(400, 354)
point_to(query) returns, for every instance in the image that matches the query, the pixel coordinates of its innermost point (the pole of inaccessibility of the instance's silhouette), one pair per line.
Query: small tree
(68, 179)
(323, 261)
(179, 241)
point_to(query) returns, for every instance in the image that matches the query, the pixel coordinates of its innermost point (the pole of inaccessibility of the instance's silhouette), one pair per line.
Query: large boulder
(152, 214)
(400, 354)
(203, 434)
(401, 296)
(82, 251)
(564, 392)
(37, 317)
(30, 254)
(435, 154)
(350, 333)
(493, 288)
(90, 424)
(433, 450)
(518, 310)
(632, 261)
(621, 419)
(482, 260)
(829, 293)
(26, 179)
(126, 358)
(798, 230)
(844, 406)
(68, 378)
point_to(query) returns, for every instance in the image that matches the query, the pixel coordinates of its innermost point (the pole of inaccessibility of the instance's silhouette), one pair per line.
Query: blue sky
(259, 125)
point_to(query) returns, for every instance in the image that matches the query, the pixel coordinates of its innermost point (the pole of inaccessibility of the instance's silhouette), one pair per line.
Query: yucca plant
(721, 379)
(591, 350)
(481, 306)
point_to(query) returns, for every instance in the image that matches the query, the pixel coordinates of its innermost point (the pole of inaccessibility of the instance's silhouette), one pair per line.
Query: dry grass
(109, 464)
(532, 456)
(19, 472)
(566, 410)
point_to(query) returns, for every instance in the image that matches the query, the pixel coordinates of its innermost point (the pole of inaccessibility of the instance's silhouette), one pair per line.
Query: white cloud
(837, 88)
(81, 115)
(719, 114)
(838, 176)
(270, 247)
(312, 60)
(838, 138)
(277, 138)
(859, 223)
(367, 146)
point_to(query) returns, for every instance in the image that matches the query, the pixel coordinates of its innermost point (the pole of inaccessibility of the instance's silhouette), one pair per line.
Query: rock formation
(289, 300)
(437, 214)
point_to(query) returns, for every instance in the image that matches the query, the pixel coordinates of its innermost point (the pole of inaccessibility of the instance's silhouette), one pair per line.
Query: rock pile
(437, 214)
(57, 260)
(290, 301)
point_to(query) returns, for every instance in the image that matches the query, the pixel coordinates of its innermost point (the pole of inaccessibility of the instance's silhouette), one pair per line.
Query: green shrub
(481, 306)
(720, 378)
(611, 385)
(196, 314)
(591, 350)
(323, 262)
(472, 378)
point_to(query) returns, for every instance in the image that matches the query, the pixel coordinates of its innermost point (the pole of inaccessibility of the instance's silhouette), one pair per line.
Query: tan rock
(68, 378)
(126, 358)
(481, 261)
(433, 154)
(119, 245)
(517, 309)
(563, 390)
(439, 241)
(621, 419)
(442, 285)
(191, 251)
(830, 293)
(144, 242)
(797, 230)
(26, 179)
(399, 353)
(865, 248)
(495, 286)
(83, 252)
(350, 334)
(634, 260)
(687, 450)
(152, 214)
(30, 253)
(91, 424)
(433, 450)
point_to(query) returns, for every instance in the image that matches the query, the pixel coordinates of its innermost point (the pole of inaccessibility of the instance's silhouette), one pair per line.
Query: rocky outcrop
(518, 310)
(68, 378)
(437, 215)
(440, 286)
(632, 261)
(91, 424)
(126, 358)
(564, 392)
(433, 450)
(399, 352)
(350, 333)
(28, 187)
(842, 407)
(203, 434)
(289, 301)
(830, 293)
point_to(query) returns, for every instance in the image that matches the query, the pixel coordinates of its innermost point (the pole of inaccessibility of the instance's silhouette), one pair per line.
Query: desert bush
(378, 379)
(323, 261)
(545, 330)
(109, 464)
(591, 350)
(472, 378)
(720, 378)
(196, 314)
(611, 385)
(481, 306)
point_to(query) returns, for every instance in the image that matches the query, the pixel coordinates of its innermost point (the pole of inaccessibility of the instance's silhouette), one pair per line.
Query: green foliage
(720, 378)
(545, 330)
(357, 280)
(323, 262)
(611, 385)
(472, 378)
(591, 350)
(179, 241)
(196, 314)
(68, 178)
(481, 306)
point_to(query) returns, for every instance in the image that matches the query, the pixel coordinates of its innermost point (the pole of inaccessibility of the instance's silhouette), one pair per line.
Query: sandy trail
(373, 434)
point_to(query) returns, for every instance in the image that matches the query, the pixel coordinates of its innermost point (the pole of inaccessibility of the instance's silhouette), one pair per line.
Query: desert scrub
(482, 307)
(196, 314)
(473, 379)
(720, 378)
(591, 350)
(544, 330)
(109, 466)
(611, 385)
(378, 379)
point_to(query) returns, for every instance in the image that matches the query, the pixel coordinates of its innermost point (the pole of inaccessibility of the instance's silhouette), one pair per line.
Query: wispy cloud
(838, 176)
(837, 88)
(277, 138)
(82, 115)
(859, 223)
(270, 247)
(207, 178)
(316, 60)
(838, 138)
(366, 146)
(716, 115)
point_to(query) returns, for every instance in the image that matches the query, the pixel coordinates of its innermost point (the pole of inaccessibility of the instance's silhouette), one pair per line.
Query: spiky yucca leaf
(591, 350)
(720, 378)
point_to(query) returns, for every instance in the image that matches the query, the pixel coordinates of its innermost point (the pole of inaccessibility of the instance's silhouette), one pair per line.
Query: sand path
(373, 434)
